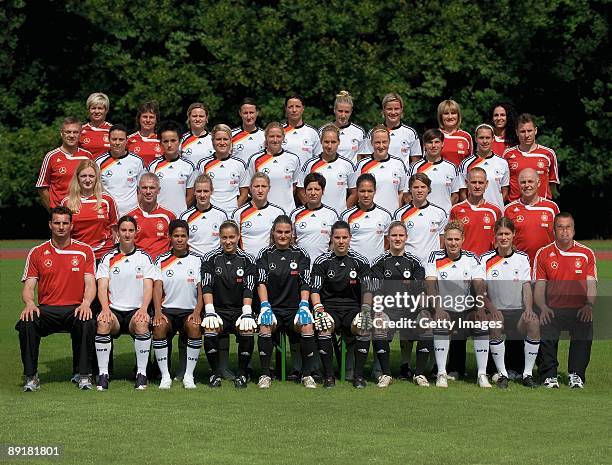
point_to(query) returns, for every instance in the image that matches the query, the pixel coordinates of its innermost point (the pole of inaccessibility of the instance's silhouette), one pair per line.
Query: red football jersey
(57, 170)
(540, 158)
(457, 146)
(534, 224)
(60, 272)
(95, 139)
(499, 145)
(152, 235)
(566, 273)
(147, 148)
(94, 226)
(478, 222)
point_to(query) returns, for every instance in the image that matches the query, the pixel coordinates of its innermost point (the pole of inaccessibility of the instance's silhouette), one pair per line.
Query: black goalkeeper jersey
(398, 273)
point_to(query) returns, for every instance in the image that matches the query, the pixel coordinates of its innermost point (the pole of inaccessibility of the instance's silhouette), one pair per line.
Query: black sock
(382, 351)
(361, 355)
(308, 346)
(326, 351)
(266, 346)
(211, 347)
(246, 344)
(423, 350)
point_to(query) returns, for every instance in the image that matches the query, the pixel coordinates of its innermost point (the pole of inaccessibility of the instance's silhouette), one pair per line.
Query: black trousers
(581, 339)
(55, 319)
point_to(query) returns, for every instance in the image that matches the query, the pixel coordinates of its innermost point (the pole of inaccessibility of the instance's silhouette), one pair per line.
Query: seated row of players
(340, 288)
(181, 158)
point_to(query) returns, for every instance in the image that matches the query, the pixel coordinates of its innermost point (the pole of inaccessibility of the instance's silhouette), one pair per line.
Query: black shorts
(511, 319)
(124, 319)
(406, 323)
(53, 319)
(229, 318)
(343, 318)
(176, 318)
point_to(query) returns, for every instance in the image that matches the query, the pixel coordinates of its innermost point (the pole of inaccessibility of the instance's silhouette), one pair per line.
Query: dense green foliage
(548, 58)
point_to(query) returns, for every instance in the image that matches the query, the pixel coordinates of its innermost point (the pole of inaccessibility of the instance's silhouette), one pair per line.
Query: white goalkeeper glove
(246, 322)
(323, 321)
(211, 321)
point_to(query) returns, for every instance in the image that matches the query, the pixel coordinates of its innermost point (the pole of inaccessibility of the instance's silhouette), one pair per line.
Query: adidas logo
(283, 258)
(342, 264)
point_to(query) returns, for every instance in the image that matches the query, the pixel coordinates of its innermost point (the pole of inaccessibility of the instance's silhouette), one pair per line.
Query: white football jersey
(337, 174)
(120, 177)
(454, 275)
(175, 177)
(368, 229)
(313, 228)
(352, 137)
(505, 278)
(194, 148)
(255, 225)
(302, 140)
(283, 170)
(404, 143)
(180, 277)
(228, 177)
(126, 274)
(391, 180)
(246, 144)
(204, 228)
(444, 178)
(498, 175)
(425, 225)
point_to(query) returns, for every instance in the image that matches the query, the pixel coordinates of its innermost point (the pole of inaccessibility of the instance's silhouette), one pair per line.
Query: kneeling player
(125, 286)
(397, 271)
(228, 280)
(508, 278)
(341, 298)
(450, 274)
(177, 298)
(284, 290)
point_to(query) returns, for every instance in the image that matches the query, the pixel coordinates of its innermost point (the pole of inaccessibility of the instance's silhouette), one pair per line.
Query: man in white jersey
(313, 221)
(498, 172)
(177, 298)
(173, 171)
(424, 221)
(228, 173)
(442, 173)
(281, 167)
(204, 218)
(120, 170)
(336, 170)
(300, 138)
(367, 220)
(247, 139)
(390, 172)
(255, 218)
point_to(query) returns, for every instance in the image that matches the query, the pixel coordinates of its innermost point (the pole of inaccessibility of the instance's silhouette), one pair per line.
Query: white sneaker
(575, 381)
(165, 383)
(188, 382)
(453, 376)
(483, 381)
(309, 382)
(264, 382)
(551, 383)
(442, 380)
(421, 380)
(384, 381)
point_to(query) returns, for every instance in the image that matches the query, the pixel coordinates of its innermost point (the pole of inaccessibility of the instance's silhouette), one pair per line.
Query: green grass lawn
(288, 424)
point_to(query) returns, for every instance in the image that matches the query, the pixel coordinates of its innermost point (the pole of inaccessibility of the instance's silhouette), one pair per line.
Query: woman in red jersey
(457, 142)
(503, 118)
(94, 134)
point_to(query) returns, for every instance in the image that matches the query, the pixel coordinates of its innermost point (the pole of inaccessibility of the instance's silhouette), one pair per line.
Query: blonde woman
(458, 143)
(94, 134)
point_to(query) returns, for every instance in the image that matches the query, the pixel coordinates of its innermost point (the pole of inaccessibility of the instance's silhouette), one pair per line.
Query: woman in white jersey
(300, 138)
(510, 300)
(125, 286)
(336, 169)
(227, 172)
(196, 143)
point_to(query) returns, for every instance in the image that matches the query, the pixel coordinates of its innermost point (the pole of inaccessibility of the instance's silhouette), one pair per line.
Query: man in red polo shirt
(153, 219)
(565, 291)
(532, 215)
(477, 215)
(59, 165)
(64, 270)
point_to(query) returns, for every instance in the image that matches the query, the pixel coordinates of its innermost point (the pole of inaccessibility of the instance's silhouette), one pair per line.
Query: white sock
(103, 350)
(498, 352)
(530, 348)
(481, 348)
(193, 352)
(441, 346)
(142, 347)
(160, 347)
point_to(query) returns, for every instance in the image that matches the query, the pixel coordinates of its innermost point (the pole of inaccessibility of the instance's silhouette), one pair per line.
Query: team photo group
(290, 238)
